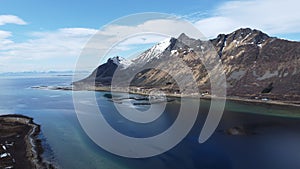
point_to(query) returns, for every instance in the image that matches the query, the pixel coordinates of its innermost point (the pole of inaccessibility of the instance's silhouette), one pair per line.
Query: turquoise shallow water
(273, 144)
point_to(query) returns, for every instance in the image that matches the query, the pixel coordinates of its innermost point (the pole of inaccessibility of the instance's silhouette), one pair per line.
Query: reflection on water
(273, 142)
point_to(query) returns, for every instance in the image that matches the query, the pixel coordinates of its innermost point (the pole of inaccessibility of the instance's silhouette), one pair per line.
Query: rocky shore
(266, 99)
(19, 143)
(263, 100)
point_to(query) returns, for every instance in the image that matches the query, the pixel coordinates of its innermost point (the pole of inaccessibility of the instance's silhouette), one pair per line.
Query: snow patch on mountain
(153, 52)
(120, 61)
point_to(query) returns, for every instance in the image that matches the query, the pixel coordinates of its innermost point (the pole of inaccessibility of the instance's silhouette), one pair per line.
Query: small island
(19, 143)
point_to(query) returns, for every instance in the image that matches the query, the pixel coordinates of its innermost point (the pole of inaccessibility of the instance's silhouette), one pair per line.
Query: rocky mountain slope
(255, 65)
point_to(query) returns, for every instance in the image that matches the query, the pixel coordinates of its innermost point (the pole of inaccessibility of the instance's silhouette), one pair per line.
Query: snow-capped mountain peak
(162, 45)
(120, 61)
(153, 52)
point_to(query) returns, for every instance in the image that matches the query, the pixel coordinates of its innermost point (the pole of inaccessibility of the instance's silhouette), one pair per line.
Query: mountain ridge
(253, 62)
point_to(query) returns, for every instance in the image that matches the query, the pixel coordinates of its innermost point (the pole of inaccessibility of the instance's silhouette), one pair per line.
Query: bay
(273, 141)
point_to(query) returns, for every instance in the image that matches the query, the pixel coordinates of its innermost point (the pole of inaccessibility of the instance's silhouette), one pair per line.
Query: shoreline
(269, 102)
(205, 97)
(229, 98)
(25, 149)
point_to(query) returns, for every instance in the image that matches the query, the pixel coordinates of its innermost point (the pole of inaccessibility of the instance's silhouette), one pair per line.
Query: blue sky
(49, 35)
(92, 13)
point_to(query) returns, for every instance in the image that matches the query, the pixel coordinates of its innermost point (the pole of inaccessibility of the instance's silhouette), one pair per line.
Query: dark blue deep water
(272, 140)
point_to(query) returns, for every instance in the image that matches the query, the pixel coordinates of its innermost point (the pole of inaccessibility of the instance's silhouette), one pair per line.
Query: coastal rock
(237, 131)
(19, 145)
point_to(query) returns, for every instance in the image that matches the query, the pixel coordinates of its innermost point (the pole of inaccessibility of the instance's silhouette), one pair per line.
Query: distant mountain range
(40, 72)
(256, 66)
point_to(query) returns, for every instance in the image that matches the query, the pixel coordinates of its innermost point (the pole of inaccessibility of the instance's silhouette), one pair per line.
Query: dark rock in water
(142, 103)
(139, 98)
(107, 95)
(237, 131)
(53, 87)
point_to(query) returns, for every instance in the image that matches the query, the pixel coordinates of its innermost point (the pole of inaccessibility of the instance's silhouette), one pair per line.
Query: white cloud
(271, 16)
(59, 49)
(213, 26)
(4, 38)
(4, 34)
(165, 27)
(67, 42)
(142, 39)
(6, 19)
(44, 50)
(147, 32)
(68, 32)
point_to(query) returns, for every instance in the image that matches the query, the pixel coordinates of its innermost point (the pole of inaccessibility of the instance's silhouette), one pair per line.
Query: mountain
(121, 62)
(256, 66)
(103, 74)
(153, 52)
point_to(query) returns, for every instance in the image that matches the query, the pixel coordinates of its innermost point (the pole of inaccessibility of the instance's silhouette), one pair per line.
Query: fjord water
(272, 141)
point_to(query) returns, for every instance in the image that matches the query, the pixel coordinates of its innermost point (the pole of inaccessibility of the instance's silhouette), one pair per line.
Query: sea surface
(272, 139)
